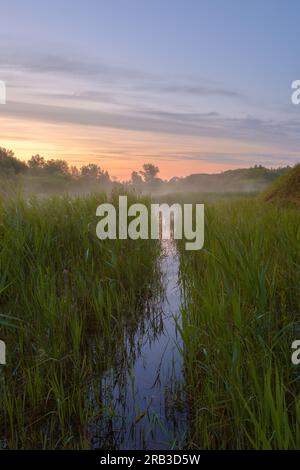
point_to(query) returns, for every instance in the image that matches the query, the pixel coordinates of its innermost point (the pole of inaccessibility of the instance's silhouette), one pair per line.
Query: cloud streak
(194, 90)
(59, 64)
(212, 124)
(64, 90)
(56, 64)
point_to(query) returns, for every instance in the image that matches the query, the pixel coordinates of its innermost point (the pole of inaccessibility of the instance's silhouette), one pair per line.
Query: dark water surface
(144, 398)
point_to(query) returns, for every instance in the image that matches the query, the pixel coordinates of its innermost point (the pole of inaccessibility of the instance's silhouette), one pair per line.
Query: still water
(143, 400)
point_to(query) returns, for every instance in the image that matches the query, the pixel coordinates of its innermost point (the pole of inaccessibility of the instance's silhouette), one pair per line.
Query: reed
(66, 298)
(240, 317)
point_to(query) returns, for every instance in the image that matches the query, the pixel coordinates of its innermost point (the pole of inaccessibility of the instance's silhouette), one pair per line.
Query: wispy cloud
(89, 95)
(282, 133)
(81, 91)
(194, 90)
(258, 158)
(60, 64)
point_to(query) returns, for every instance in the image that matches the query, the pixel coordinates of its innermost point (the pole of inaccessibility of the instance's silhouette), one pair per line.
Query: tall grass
(241, 315)
(65, 299)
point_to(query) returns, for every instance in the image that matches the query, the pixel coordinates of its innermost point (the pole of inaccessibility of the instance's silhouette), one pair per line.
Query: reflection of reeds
(239, 319)
(135, 422)
(76, 296)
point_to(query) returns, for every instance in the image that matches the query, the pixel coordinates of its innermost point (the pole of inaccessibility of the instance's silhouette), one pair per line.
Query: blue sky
(192, 85)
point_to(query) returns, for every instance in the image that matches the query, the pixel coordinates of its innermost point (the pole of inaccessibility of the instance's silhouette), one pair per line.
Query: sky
(190, 85)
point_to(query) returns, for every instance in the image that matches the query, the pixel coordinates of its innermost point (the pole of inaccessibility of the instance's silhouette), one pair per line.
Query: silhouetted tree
(56, 167)
(91, 170)
(149, 172)
(94, 171)
(9, 163)
(36, 162)
(136, 179)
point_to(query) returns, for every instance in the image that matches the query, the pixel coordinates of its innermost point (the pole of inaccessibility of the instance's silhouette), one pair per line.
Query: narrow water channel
(144, 400)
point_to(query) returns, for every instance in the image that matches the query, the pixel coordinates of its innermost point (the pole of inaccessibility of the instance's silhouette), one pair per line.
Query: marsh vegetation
(135, 344)
(241, 315)
(66, 301)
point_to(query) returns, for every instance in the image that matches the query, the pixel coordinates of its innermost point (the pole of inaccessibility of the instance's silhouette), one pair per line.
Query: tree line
(39, 166)
(255, 178)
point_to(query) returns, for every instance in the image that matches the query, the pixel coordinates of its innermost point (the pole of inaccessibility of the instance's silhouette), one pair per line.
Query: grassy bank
(66, 298)
(240, 318)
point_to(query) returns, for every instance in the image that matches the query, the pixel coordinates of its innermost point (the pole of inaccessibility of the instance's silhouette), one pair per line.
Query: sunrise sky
(192, 86)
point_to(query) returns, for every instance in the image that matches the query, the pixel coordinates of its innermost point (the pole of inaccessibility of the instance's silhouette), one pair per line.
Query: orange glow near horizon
(121, 151)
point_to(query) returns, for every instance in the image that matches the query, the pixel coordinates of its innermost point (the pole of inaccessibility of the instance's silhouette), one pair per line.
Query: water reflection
(142, 396)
